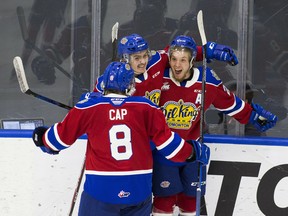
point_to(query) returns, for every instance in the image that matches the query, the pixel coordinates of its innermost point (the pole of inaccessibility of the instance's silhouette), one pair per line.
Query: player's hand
(262, 119)
(221, 53)
(201, 152)
(38, 133)
(44, 70)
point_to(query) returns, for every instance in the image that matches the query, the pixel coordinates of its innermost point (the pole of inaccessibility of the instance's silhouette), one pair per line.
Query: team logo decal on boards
(180, 115)
(122, 194)
(165, 184)
(153, 96)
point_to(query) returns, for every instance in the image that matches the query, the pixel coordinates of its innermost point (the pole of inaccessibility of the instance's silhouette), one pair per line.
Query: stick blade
(20, 72)
(114, 31)
(201, 27)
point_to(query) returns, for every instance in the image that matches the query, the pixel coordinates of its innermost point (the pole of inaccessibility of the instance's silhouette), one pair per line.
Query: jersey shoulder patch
(211, 76)
(88, 102)
(155, 57)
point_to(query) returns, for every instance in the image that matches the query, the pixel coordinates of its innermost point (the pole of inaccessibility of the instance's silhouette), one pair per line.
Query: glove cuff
(193, 156)
(38, 133)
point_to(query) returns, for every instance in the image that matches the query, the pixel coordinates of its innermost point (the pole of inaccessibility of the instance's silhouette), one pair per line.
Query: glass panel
(256, 30)
(48, 49)
(159, 21)
(226, 22)
(270, 60)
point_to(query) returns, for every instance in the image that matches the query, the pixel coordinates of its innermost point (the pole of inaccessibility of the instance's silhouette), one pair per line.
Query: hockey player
(119, 157)
(181, 104)
(46, 16)
(64, 47)
(150, 65)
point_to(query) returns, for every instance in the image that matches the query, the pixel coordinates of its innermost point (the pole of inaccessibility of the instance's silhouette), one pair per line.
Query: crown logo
(153, 96)
(180, 115)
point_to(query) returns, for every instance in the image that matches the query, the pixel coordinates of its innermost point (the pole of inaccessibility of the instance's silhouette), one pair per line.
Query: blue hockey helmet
(131, 44)
(183, 41)
(118, 76)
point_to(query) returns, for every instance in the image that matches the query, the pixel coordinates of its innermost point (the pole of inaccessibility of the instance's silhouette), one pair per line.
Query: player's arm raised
(218, 52)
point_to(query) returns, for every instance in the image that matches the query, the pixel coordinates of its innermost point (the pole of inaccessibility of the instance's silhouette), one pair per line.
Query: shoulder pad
(155, 57)
(162, 51)
(141, 99)
(153, 52)
(211, 76)
(87, 102)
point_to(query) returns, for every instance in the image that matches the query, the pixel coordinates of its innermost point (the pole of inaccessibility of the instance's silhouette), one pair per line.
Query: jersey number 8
(120, 140)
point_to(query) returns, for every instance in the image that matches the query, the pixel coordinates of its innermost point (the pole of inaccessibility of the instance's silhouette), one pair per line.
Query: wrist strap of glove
(193, 156)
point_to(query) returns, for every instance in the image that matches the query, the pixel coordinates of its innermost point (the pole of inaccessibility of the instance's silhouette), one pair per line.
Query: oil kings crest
(180, 115)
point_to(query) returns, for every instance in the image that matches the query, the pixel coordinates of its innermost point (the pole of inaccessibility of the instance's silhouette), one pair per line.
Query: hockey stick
(204, 42)
(25, 36)
(114, 34)
(20, 72)
(77, 189)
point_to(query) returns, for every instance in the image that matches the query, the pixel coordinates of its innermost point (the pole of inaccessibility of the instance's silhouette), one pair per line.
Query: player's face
(180, 65)
(138, 61)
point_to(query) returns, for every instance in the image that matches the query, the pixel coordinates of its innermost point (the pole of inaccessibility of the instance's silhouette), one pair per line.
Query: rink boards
(246, 176)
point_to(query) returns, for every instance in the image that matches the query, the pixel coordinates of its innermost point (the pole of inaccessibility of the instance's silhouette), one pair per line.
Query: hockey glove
(43, 70)
(262, 119)
(221, 53)
(37, 136)
(201, 152)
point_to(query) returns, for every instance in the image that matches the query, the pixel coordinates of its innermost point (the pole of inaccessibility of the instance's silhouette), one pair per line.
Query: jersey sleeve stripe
(172, 146)
(162, 146)
(236, 107)
(52, 137)
(118, 173)
(239, 106)
(229, 108)
(242, 105)
(176, 150)
(48, 143)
